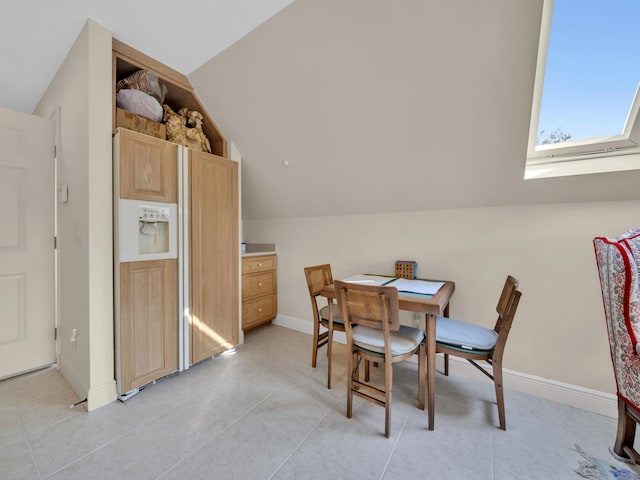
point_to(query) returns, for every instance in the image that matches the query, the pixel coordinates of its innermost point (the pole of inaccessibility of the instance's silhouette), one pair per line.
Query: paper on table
(368, 279)
(416, 286)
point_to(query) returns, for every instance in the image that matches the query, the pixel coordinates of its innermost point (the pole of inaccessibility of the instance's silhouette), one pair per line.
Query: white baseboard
(96, 396)
(564, 393)
(101, 395)
(74, 381)
(567, 394)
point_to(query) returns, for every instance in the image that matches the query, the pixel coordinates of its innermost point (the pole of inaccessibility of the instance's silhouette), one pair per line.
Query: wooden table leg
(329, 344)
(431, 366)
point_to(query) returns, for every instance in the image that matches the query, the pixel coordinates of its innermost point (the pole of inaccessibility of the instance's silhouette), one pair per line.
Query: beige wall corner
(84, 222)
(100, 234)
(100, 395)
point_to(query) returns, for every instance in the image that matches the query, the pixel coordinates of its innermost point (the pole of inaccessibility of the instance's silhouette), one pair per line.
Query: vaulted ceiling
(36, 35)
(337, 107)
(369, 106)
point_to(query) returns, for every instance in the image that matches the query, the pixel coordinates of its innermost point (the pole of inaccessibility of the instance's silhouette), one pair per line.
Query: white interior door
(27, 207)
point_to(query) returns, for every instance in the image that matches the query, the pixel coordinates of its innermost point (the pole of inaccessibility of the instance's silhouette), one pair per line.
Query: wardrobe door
(214, 260)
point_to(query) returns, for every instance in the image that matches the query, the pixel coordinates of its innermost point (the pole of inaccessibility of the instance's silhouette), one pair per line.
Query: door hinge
(55, 242)
(55, 333)
(55, 151)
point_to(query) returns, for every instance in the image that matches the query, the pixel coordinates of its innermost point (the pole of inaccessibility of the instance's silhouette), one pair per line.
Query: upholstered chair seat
(476, 343)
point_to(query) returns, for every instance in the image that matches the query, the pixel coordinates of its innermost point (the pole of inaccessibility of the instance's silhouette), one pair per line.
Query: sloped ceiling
(36, 35)
(368, 106)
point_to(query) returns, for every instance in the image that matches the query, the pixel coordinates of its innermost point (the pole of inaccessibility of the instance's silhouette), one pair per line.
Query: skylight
(586, 96)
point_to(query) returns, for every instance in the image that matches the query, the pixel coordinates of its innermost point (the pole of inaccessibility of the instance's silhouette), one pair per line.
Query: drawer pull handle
(260, 284)
(259, 310)
(260, 264)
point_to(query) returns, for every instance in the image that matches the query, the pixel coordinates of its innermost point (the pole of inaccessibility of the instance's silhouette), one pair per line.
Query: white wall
(82, 90)
(559, 331)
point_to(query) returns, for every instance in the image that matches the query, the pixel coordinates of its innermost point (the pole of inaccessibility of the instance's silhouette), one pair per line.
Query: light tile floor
(264, 413)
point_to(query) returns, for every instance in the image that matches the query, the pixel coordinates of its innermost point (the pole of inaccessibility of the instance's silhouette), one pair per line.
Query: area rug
(597, 469)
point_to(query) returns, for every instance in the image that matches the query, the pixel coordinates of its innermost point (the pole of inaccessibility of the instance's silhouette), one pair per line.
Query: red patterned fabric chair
(618, 262)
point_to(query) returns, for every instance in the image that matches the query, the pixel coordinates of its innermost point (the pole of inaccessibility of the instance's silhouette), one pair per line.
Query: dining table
(432, 306)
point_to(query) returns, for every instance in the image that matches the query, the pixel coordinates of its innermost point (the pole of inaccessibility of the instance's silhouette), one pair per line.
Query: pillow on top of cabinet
(138, 102)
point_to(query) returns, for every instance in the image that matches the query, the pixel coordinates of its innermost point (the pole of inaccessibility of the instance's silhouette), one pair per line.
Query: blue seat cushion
(464, 335)
(337, 318)
(403, 340)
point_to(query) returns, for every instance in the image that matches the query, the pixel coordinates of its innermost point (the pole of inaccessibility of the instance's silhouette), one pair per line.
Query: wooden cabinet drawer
(259, 291)
(258, 264)
(258, 311)
(258, 284)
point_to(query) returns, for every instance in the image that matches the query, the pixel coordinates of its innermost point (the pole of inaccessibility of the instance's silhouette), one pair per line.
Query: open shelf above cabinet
(180, 92)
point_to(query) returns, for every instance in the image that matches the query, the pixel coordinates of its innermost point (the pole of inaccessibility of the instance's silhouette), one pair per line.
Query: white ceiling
(36, 35)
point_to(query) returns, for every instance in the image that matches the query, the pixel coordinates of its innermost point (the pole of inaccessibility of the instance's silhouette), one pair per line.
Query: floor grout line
(393, 449)
(228, 426)
(33, 458)
(279, 375)
(300, 444)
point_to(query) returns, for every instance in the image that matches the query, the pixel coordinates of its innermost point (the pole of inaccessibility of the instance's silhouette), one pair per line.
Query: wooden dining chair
(374, 333)
(476, 343)
(318, 277)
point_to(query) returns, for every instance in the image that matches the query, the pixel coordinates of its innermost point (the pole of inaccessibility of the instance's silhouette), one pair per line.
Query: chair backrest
(507, 306)
(368, 305)
(618, 261)
(317, 277)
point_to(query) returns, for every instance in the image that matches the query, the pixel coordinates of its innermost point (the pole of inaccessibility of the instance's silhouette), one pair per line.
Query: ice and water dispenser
(153, 228)
(148, 230)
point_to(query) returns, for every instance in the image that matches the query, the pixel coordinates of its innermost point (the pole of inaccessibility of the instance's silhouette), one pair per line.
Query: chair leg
(329, 345)
(366, 370)
(626, 434)
(352, 368)
(422, 372)
(316, 339)
(388, 383)
(446, 364)
(497, 380)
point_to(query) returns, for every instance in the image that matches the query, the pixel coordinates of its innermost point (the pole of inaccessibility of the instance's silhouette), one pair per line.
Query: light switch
(63, 194)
